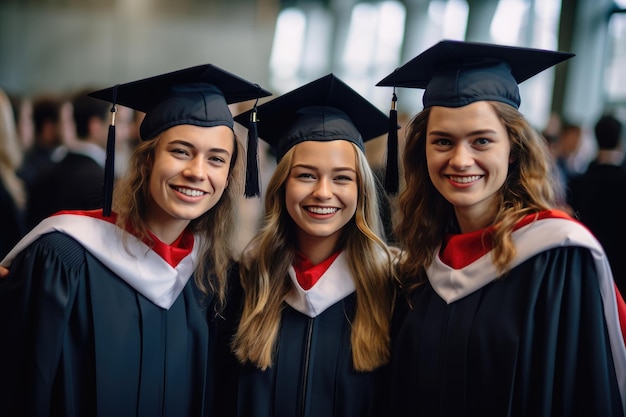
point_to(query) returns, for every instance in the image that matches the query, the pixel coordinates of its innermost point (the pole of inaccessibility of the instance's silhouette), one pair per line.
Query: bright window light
(391, 18)
(361, 37)
(288, 43)
(374, 37)
(508, 20)
(455, 19)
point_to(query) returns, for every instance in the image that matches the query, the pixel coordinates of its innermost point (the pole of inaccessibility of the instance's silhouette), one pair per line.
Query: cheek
(352, 197)
(291, 198)
(432, 165)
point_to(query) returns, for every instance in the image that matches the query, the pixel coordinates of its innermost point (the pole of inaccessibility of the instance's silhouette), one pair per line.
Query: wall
(60, 48)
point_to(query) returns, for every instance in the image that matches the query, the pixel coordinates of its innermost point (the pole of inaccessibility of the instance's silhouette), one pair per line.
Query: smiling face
(321, 192)
(189, 176)
(467, 153)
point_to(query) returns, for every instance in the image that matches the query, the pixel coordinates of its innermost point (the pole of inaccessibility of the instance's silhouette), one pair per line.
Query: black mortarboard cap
(196, 96)
(456, 73)
(323, 110)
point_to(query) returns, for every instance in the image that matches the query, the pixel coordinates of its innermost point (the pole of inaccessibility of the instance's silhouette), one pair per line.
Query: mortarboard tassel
(252, 188)
(391, 172)
(109, 172)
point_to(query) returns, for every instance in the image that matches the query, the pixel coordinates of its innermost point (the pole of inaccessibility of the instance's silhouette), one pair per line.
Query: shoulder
(549, 232)
(58, 244)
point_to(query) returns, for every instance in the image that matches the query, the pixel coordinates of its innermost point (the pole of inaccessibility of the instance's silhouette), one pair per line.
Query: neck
(474, 218)
(610, 157)
(317, 248)
(167, 232)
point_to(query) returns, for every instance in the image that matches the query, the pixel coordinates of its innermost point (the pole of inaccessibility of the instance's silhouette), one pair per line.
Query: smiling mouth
(189, 192)
(465, 180)
(322, 210)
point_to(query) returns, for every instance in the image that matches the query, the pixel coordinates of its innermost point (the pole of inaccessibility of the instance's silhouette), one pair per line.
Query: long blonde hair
(130, 202)
(265, 280)
(425, 216)
(10, 153)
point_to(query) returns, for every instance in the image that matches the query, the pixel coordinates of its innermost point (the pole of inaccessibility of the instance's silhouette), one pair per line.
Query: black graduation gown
(532, 343)
(312, 375)
(80, 341)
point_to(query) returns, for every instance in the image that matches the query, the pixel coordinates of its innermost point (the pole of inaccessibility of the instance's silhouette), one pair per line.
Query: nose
(323, 189)
(195, 169)
(461, 158)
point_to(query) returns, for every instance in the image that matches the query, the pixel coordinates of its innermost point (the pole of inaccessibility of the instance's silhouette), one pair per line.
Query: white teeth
(322, 210)
(190, 193)
(465, 180)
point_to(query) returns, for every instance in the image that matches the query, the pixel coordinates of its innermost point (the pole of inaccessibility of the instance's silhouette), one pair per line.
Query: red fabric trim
(308, 274)
(172, 254)
(463, 249)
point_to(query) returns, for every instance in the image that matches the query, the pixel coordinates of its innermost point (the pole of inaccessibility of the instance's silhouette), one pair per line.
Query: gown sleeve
(34, 301)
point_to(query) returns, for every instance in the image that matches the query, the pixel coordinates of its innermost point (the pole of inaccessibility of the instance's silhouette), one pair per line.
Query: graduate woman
(314, 321)
(102, 313)
(512, 303)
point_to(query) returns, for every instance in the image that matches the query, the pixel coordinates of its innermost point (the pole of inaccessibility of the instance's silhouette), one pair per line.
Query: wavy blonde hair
(425, 216)
(10, 153)
(265, 279)
(130, 202)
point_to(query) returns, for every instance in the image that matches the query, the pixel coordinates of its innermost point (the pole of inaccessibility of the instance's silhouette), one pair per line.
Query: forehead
(199, 136)
(476, 116)
(325, 154)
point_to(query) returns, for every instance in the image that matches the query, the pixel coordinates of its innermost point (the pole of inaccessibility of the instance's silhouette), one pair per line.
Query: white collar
(334, 285)
(136, 264)
(453, 284)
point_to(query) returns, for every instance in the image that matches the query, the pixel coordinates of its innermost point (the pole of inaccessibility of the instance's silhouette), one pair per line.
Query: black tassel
(253, 188)
(109, 167)
(391, 172)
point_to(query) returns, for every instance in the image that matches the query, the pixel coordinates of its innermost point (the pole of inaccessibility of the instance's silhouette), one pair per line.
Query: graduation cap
(196, 96)
(326, 109)
(457, 73)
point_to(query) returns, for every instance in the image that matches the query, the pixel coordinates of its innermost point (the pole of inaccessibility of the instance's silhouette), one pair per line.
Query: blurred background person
(12, 191)
(23, 116)
(47, 138)
(598, 197)
(75, 182)
(565, 145)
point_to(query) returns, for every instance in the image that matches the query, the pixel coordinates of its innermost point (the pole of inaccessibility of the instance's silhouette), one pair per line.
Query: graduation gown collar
(133, 261)
(334, 285)
(552, 229)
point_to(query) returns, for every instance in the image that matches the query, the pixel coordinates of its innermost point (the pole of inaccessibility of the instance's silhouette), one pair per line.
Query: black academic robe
(543, 340)
(80, 341)
(312, 374)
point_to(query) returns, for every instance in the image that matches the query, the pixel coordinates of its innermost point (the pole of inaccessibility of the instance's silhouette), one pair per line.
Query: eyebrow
(473, 133)
(190, 145)
(314, 168)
